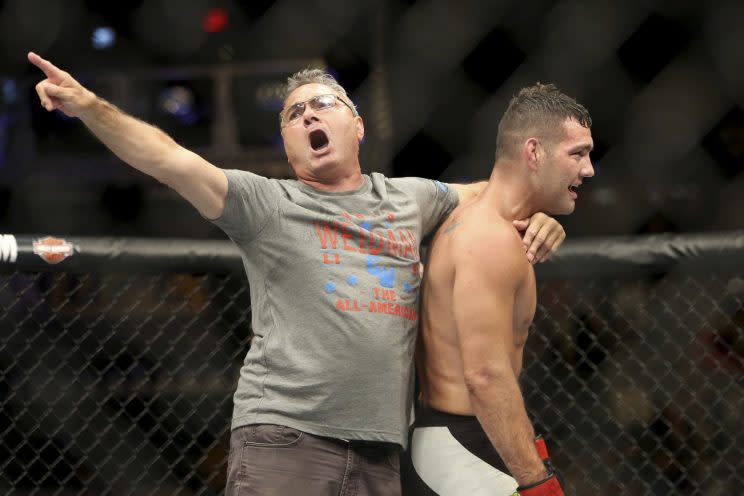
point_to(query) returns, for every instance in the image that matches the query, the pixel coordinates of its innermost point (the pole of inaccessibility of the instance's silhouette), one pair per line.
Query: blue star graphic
(352, 279)
(330, 287)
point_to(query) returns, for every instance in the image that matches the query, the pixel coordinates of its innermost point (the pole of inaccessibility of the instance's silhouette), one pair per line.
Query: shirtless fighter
(473, 436)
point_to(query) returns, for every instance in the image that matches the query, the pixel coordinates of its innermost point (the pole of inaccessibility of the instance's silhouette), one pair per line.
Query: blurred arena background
(664, 81)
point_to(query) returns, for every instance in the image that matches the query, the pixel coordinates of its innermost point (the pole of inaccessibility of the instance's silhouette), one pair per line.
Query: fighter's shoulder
(486, 231)
(490, 238)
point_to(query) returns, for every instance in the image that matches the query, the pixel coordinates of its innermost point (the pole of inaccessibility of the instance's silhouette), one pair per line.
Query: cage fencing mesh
(121, 383)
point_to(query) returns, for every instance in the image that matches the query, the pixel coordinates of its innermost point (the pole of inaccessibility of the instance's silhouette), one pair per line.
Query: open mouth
(573, 189)
(318, 140)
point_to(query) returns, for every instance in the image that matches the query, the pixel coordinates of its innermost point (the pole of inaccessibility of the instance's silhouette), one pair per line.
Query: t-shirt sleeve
(251, 202)
(435, 200)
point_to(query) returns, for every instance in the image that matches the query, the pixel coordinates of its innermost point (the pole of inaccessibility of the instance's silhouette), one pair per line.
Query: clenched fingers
(49, 94)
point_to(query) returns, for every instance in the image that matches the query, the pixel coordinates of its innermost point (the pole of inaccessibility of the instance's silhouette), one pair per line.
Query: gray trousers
(273, 460)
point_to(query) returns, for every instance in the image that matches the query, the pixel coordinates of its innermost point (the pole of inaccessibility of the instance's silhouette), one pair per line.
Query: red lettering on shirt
(392, 243)
(325, 235)
(346, 235)
(408, 249)
(347, 305)
(374, 250)
(336, 260)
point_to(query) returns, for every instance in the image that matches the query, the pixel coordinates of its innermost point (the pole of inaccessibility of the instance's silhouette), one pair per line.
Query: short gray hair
(316, 76)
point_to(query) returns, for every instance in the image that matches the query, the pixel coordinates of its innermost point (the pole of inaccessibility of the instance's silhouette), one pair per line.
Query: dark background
(664, 81)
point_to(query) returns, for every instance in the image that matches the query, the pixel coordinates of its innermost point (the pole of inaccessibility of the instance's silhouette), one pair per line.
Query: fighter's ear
(531, 150)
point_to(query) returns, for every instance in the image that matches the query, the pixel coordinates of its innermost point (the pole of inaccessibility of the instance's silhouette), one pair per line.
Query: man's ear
(532, 150)
(359, 128)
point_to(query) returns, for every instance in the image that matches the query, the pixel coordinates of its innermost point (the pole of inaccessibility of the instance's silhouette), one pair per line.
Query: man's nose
(309, 116)
(588, 170)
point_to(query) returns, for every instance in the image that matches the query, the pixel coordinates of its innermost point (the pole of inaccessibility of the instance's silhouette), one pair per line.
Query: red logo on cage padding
(53, 250)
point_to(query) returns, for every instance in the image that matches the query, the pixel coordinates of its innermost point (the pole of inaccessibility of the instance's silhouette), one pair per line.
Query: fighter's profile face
(567, 165)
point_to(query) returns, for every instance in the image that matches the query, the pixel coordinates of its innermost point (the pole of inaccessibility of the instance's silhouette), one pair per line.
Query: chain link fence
(118, 364)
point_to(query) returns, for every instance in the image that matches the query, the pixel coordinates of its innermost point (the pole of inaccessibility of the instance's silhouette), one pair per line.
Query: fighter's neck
(509, 194)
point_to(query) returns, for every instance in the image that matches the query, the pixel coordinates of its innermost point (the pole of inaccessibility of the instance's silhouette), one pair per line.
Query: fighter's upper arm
(488, 273)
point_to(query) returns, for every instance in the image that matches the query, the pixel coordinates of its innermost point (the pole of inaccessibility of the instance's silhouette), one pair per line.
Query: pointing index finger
(50, 70)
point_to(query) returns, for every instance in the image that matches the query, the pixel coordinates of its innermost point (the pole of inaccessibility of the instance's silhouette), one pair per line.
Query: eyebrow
(303, 100)
(585, 146)
(292, 105)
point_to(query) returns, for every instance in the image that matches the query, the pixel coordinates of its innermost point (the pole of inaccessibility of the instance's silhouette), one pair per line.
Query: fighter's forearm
(498, 404)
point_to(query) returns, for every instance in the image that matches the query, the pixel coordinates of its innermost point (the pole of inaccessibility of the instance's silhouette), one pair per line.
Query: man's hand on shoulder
(541, 236)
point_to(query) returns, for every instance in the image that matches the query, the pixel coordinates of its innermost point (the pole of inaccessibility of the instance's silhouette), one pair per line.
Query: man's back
(439, 355)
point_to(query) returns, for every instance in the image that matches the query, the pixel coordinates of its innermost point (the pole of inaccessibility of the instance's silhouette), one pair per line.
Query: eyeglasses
(320, 103)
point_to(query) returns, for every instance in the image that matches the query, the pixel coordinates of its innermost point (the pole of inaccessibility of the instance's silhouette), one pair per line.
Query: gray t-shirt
(334, 284)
